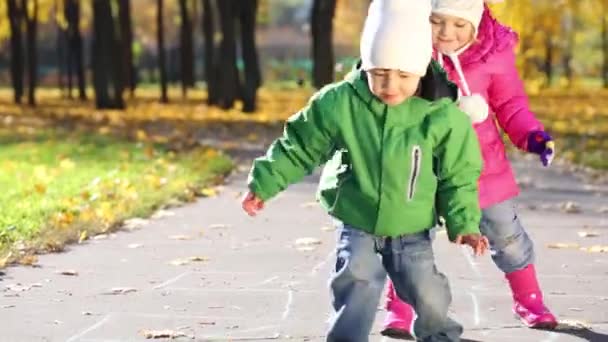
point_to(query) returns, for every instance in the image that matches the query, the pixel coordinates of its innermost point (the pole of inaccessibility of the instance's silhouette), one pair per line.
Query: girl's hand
(541, 143)
(478, 242)
(252, 203)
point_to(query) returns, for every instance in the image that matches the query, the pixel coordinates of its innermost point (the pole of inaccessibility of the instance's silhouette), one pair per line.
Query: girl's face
(392, 86)
(451, 33)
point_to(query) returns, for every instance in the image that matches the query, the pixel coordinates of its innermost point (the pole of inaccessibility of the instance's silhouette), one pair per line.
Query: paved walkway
(211, 273)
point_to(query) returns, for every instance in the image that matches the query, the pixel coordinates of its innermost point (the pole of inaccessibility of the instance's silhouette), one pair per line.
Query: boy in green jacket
(394, 163)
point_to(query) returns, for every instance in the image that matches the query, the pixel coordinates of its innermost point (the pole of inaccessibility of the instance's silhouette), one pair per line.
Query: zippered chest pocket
(416, 161)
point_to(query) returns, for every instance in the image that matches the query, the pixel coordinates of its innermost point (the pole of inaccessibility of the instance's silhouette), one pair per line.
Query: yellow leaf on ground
(40, 188)
(28, 260)
(67, 164)
(166, 333)
(595, 249)
(83, 236)
(209, 192)
(561, 245)
(180, 237)
(588, 234)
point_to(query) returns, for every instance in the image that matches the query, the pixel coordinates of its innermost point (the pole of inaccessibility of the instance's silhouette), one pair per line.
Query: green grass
(58, 187)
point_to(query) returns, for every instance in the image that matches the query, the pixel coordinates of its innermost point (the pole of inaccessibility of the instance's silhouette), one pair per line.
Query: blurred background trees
(107, 49)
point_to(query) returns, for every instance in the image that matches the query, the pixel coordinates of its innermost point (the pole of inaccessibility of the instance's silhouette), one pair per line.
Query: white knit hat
(470, 10)
(397, 35)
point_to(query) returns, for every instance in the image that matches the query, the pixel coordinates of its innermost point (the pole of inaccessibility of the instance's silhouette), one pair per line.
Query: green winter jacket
(390, 169)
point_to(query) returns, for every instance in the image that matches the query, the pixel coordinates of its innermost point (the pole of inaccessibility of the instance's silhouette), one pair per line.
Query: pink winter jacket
(488, 67)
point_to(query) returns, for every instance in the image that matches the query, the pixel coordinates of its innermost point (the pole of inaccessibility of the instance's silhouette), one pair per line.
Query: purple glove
(541, 143)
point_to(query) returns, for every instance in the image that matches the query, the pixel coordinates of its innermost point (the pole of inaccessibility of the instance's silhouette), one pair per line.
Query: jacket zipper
(416, 154)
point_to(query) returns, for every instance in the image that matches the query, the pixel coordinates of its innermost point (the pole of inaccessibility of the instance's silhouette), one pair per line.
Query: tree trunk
(15, 16)
(126, 33)
(61, 53)
(117, 65)
(322, 43)
(208, 35)
(186, 48)
(160, 34)
(31, 20)
(252, 79)
(605, 44)
(75, 49)
(229, 80)
(106, 57)
(549, 60)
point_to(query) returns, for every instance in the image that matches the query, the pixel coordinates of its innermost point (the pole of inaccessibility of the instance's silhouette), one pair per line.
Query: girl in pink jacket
(477, 53)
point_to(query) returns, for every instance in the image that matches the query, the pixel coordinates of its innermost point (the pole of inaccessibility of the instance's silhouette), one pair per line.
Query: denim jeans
(510, 245)
(363, 261)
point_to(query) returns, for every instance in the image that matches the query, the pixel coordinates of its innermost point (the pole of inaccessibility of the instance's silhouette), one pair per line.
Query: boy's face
(392, 86)
(451, 33)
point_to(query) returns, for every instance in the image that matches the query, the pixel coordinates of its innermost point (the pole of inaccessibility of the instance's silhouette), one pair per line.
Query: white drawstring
(456, 61)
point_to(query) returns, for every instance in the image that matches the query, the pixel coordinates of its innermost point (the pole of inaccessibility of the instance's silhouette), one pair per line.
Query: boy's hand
(541, 143)
(478, 242)
(252, 203)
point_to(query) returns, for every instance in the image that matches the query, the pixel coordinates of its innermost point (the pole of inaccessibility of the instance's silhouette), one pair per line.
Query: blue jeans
(510, 245)
(363, 261)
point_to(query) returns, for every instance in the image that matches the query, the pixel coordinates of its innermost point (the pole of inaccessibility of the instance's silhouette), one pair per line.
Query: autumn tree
(321, 28)
(75, 51)
(15, 15)
(160, 35)
(186, 47)
(126, 36)
(211, 73)
(106, 58)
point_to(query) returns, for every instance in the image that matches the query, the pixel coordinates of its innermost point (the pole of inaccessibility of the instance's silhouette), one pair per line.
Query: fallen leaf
(28, 260)
(219, 226)
(67, 164)
(561, 245)
(150, 334)
(40, 188)
(596, 249)
(162, 213)
(186, 261)
(68, 273)
(565, 324)
(19, 287)
(588, 234)
(309, 204)
(525, 182)
(180, 237)
(307, 241)
(120, 290)
(135, 245)
(4, 260)
(83, 236)
(209, 192)
(134, 223)
(87, 313)
(571, 207)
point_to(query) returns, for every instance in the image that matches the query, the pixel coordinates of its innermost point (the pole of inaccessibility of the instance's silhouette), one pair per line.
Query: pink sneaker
(399, 320)
(528, 303)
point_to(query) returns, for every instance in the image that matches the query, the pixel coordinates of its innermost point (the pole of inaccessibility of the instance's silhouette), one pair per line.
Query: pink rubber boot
(528, 303)
(399, 319)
